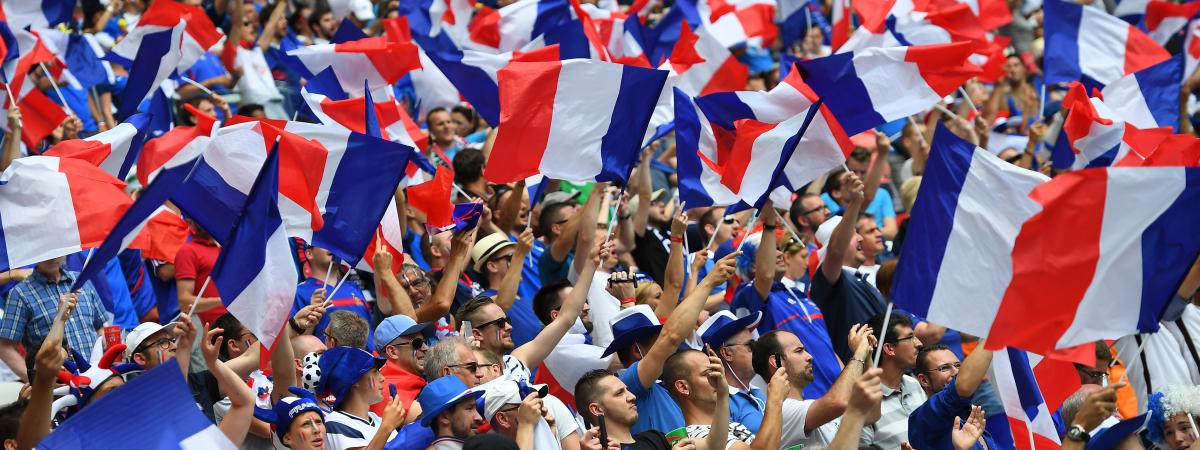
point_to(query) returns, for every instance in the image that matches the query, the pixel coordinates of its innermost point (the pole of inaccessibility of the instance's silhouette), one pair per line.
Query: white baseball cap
(141, 332)
(507, 392)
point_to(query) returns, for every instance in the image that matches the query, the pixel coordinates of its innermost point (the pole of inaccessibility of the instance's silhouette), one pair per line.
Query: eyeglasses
(819, 208)
(911, 336)
(946, 368)
(473, 367)
(506, 258)
(1090, 373)
(729, 220)
(501, 322)
(162, 343)
(415, 343)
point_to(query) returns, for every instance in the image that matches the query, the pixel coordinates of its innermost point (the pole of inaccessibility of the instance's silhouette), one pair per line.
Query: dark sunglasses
(415, 343)
(501, 322)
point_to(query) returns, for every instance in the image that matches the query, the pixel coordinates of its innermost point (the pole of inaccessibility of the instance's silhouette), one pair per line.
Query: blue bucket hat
(341, 367)
(632, 325)
(442, 394)
(286, 410)
(396, 326)
(721, 326)
(1111, 436)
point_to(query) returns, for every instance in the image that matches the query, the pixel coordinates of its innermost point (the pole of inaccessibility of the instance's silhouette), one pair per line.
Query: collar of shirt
(67, 277)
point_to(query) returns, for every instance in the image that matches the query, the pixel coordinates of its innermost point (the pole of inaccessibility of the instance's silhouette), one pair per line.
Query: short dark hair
(10, 419)
(587, 389)
(766, 346)
(676, 368)
(468, 166)
(247, 109)
(896, 320)
(550, 211)
(833, 181)
(470, 310)
(435, 111)
(710, 217)
(548, 298)
(797, 208)
(860, 154)
(231, 328)
(314, 18)
(923, 356)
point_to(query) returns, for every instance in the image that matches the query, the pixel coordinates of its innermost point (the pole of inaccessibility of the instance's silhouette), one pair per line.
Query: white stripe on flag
(1102, 45)
(266, 302)
(36, 196)
(583, 108)
(885, 73)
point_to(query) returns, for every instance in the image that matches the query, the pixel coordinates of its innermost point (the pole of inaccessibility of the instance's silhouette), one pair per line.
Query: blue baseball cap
(396, 326)
(341, 367)
(442, 394)
(286, 410)
(721, 326)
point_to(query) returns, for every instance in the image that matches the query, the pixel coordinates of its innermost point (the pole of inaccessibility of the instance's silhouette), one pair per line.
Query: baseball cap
(508, 392)
(283, 412)
(396, 326)
(138, 335)
(341, 367)
(486, 247)
(825, 232)
(362, 9)
(442, 394)
(558, 197)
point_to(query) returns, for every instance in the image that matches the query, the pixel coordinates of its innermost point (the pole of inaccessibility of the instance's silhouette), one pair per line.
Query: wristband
(295, 326)
(769, 227)
(628, 300)
(677, 240)
(863, 361)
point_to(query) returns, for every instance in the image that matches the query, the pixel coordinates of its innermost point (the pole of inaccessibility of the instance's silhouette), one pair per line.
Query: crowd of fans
(593, 317)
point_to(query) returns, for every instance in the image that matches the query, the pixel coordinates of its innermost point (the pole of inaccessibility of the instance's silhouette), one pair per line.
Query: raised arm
(270, 30)
(673, 278)
(507, 294)
(864, 398)
(12, 141)
(875, 175)
(535, 351)
(241, 399)
(833, 404)
(835, 254)
(35, 420)
(397, 299)
(644, 189)
(512, 208)
(585, 234)
(764, 258)
(443, 296)
(973, 370)
(771, 431)
(682, 321)
(718, 433)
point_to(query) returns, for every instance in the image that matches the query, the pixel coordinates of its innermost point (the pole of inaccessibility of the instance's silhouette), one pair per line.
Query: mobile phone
(467, 329)
(603, 433)
(392, 390)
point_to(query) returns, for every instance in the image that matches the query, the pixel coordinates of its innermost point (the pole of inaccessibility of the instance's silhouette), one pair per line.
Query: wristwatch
(1077, 433)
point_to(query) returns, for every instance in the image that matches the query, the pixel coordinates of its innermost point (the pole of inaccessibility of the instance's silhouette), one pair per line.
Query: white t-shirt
(795, 412)
(737, 433)
(261, 386)
(603, 307)
(343, 431)
(564, 419)
(257, 85)
(1163, 356)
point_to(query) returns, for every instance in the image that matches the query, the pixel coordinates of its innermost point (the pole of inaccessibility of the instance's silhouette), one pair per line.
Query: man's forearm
(507, 294)
(12, 358)
(973, 369)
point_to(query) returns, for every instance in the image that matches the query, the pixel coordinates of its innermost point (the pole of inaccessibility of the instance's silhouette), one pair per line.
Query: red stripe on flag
(91, 151)
(544, 376)
(99, 199)
(944, 67)
(1054, 262)
(527, 91)
(748, 131)
(1141, 51)
(39, 117)
(1020, 434)
(730, 76)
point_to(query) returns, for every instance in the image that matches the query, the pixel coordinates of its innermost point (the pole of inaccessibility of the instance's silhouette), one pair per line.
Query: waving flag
(1093, 129)
(567, 363)
(433, 198)
(734, 22)
(546, 117)
(514, 26)
(433, 88)
(700, 150)
(396, 125)
(1161, 149)
(1099, 262)
(32, 51)
(50, 207)
(114, 150)
(254, 271)
(871, 87)
(157, 151)
(1086, 44)
(39, 116)
(796, 17)
(992, 14)
(1013, 375)
(703, 65)
(953, 24)
(172, 175)
(376, 59)
(1148, 98)
(170, 38)
(132, 417)
(1165, 19)
(38, 13)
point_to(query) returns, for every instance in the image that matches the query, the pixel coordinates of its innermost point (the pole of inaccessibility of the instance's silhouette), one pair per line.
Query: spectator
(495, 258)
(1173, 414)
(404, 343)
(448, 408)
(343, 295)
(468, 124)
(347, 329)
(602, 393)
(351, 376)
(443, 143)
(30, 309)
(902, 394)
(731, 337)
(950, 385)
(453, 356)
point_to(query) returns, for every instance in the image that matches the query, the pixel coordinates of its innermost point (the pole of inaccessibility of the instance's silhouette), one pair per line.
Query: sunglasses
(473, 367)
(415, 343)
(501, 322)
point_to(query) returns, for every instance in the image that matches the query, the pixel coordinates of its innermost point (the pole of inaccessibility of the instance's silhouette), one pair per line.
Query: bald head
(1071, 405)
(307, 343)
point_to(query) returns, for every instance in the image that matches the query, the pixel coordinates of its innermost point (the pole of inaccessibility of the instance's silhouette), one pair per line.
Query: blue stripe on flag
(140, 121)
(1160, 87)
(1027, 387)
(210, 201)
(931, 222)
(144, 71)
(1169, 246)
(835, 80)
(636, 100)
(550, 14)
(244, 256)
(472, 82)
(687, 142)
(724, 108)
(1062, 20)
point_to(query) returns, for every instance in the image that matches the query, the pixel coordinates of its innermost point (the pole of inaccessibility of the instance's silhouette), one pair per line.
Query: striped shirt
(892, 427)
(32, 304)
(737, 433)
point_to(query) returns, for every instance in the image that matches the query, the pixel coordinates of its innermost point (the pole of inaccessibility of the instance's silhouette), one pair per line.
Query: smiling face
(494, 334)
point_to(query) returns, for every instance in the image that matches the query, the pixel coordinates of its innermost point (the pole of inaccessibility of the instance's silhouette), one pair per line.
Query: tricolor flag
(871, 87)
(953, 24)
(734, 22)
(133, 417)
(114, 150)
(254, 271)
(1165, 19)
(1016, 381)
(577, 110)
(37, 13)
(1160, 148)
(1109, 273)
(394, 121)
(376, 59)
(51, 207)
(1093, 129)
(185, 139)
(1148, 98)
(567, 363)
(514, 26)
(1086, 44)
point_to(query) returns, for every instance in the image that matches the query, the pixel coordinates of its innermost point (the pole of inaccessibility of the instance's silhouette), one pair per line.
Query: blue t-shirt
(347, 297)
(796, 313)
(208, 67)
(531, 281)
(881, 206)
(550, 270)
(656, 409)
(747, 408)
(137, 278)
(930, 425)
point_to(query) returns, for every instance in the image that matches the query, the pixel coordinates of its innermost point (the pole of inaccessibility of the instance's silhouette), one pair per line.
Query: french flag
(114, 150)
(185, 139)
(700, 65)
(1148, 98)
(147, 205)
(376, 59)
(953, 24)
(1087, 44)
(1165, 19)
(394, 122)
(514, 26)
(701, 148)
(1110, 243)
(32, 51)
(474, 73)
(992, 14)
(1159, 147)
(843, 23)
(871, 87)
(795, 17)
(38, 13)
(567, 363)
(254, 270)
(576, 110)
(735, 22)
(40, 116)
(1016, 380)
(169, 38)
(1093, 129)
(50, 207)
(132, 417)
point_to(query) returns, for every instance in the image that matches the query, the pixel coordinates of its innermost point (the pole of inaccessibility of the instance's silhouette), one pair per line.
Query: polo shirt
(348, 297)
(892, 427)
(408, 385)
(930, 425)
(850, 301)
(656, 409)
(747, 407)
(791, 310)
(32, 304)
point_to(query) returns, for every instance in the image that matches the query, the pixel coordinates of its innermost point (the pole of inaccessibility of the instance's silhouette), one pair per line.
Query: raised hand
(778, 386)
(867, 392)
(394, 415)
(525, 241)
(860, 336)
(723, 270)
(531, 409)
(211, 345)
(679, 223)
(715, 372)
(857, 188)
(382, 259)
(965, 435)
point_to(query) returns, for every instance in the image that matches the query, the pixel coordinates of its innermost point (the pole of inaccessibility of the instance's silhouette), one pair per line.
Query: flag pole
(54, 84)
(202, 87)
(199, 293)
(967, 97)
(882, 334)
(12, 102)
(920, 135)
(713, 238)
(1132, 359)
(612, 224)
(339, 284)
